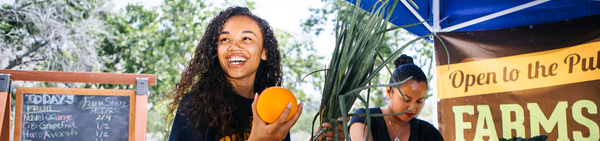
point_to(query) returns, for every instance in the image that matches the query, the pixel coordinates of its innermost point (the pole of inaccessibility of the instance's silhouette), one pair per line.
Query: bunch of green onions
(359, 37)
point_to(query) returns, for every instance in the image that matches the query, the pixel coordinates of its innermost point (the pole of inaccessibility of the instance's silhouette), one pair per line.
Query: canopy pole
(436, 16)
(494, 15)
(414, 12)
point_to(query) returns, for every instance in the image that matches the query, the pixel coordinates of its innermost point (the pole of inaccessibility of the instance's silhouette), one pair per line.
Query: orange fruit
(272, 101)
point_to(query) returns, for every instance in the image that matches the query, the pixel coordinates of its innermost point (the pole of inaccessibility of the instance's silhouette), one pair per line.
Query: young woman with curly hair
(216, 98)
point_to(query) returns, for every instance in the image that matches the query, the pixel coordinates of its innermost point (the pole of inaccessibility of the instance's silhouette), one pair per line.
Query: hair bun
(403, 59)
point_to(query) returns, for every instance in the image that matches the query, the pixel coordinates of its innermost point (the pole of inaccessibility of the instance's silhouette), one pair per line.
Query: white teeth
(236, 60)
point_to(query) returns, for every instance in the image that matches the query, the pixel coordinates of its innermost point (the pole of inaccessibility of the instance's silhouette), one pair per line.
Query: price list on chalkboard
(71, 117)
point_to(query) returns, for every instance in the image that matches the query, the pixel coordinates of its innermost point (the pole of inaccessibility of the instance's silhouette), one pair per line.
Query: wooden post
(141, 100)
(140, 111)
(4, 116)
(4, 107)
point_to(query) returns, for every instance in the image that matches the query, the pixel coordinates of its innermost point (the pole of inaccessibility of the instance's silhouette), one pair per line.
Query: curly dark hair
(212, 95)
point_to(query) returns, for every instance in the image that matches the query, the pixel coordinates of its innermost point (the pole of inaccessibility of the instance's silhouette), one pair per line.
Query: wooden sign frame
(138, 98)
(95, 92)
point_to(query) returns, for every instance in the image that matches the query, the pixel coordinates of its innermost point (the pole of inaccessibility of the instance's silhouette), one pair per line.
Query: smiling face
(414, 92)
(240, 48)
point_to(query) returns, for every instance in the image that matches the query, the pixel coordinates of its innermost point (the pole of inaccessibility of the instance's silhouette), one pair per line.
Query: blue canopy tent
(469, 15)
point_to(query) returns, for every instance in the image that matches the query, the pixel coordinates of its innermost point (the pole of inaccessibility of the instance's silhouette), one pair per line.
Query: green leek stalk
(359, 37)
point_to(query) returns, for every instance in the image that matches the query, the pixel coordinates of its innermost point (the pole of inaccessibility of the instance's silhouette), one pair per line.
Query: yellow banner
(520, 72)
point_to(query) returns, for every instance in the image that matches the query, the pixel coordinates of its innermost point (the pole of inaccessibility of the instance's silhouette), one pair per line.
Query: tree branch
(10, 20)
(31, 61)
(19, 58)
(7, 11)
(31, 3)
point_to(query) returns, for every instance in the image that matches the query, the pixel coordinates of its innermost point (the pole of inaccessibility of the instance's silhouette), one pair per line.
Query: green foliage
(298, 58)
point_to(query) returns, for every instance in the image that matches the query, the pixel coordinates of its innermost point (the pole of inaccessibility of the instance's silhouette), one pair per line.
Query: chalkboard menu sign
(73, 115)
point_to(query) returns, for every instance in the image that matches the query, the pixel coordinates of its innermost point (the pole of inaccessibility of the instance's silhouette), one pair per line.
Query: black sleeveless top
(420, 130)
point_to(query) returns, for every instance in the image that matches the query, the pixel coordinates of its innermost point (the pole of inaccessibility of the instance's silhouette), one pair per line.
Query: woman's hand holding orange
(278, 130)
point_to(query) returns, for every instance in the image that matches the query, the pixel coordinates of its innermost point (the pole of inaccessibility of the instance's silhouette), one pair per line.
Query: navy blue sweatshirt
(183, 130)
